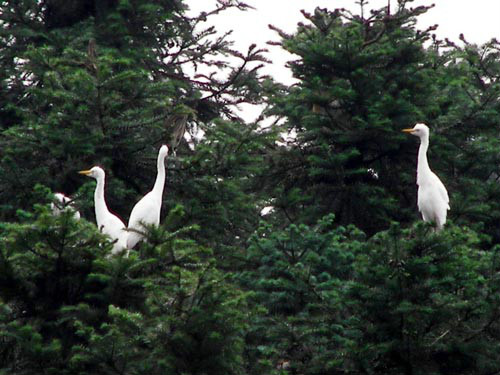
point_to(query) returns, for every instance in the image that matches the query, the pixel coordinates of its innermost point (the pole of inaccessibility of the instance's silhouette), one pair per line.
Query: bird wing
(146, 211)
(442, 191)
(113, 226)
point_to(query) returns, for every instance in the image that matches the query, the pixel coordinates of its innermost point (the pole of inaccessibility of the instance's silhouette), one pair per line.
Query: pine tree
(218, 288)
(50, 277)
(67, 307)
(108, 87)
(423, 303)
(298, 275)
(428, 300)
(468, 140)
(106, 83)
(361, 80)
(401, 302)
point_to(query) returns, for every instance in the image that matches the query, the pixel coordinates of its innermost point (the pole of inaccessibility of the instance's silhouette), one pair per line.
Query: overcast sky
(478, 20)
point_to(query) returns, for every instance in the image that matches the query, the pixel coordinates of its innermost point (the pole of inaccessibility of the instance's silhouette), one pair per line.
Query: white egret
(107, 222)
(433, 201)
(147, 210)
(63, 203)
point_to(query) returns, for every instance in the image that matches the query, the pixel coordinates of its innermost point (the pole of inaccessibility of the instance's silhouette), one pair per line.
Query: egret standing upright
(433, 201)
(147, 210)
(107, 222)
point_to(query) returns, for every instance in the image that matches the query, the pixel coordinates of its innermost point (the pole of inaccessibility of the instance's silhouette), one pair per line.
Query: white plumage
(147, 210)
(63, 203)
(107, 222)
(433, 201)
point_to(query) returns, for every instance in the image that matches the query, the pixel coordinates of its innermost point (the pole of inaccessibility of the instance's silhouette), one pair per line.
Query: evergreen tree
(361, 80)
(298, 275)
(68, 308)
(424, 303)
(469, 143)
(219, 185)
(402, 302)
(109, 85)
(217, 288)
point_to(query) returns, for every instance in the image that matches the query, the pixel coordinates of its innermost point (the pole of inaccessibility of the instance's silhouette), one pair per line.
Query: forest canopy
(291, 244)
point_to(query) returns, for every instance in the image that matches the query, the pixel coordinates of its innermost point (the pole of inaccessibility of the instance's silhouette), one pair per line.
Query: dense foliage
(338, 276)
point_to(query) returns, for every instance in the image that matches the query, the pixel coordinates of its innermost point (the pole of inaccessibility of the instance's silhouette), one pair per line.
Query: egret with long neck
(147, 210)
(107, 222)
(433, 201)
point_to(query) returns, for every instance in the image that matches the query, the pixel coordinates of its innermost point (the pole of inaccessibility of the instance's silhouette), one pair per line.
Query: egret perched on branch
(147, 210)
(63, 203)
(433, 201)
(107, 222)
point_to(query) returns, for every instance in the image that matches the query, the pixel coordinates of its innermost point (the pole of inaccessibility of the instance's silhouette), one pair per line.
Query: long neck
(99, 202)
(160, 177)
(423, 164)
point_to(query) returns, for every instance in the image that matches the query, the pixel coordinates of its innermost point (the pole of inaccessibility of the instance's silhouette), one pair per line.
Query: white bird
(433, 201)
(63, 203)
(147, 210)
(107, 222)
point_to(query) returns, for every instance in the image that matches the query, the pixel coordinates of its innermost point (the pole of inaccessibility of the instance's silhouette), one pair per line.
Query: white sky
(478, 20)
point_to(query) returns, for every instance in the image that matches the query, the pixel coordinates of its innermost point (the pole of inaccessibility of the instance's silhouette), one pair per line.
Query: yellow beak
(407, 130)
(86, 172)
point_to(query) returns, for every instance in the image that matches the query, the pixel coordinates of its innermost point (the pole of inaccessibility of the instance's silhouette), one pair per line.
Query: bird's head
(164, 150)
(94, 172)
(419, 130)
(59, 202)
(61, 198)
